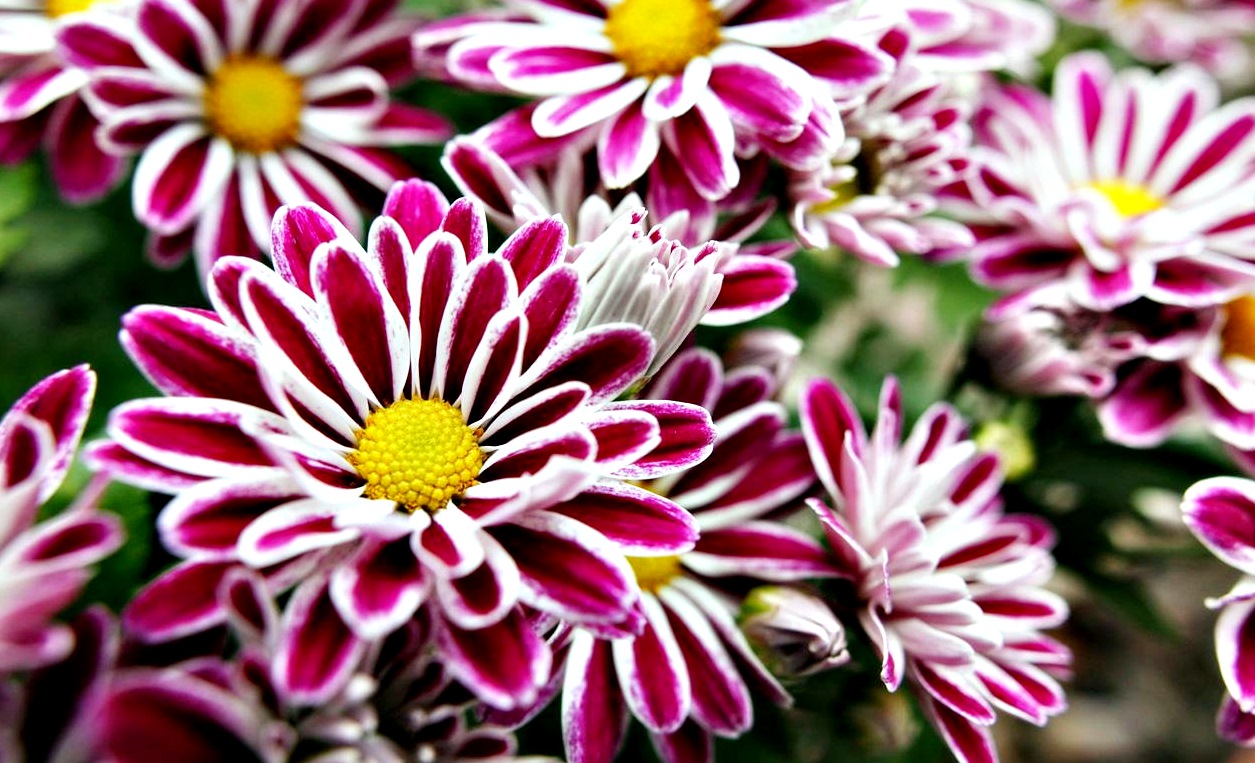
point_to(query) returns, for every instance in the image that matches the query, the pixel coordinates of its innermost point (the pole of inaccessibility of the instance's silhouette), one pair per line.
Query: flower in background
(40, 100)
(792, 631)
(238, 108)
(1123, 185)
(964, 36)
(951, 587)
(1221, 512)
(876, 196)
(420, 420)
(700, 78)
(44, 565)
(688, 675)
(1210, 33)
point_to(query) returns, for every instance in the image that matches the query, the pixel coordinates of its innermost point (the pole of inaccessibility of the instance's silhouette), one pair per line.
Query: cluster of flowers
(422, 486)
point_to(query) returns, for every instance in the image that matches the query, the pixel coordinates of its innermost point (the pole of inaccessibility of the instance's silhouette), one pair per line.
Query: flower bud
(793, 632)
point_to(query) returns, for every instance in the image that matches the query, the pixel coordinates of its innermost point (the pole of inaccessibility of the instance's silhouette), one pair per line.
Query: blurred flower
(877, 194)
(238, 108)
(422, 421)
(1210, 33)
(40, 101)
(951, 586)
(696, 76)
(1124, 185)
(793, 632)
(44, 565)
(957, 36)
(688, 674)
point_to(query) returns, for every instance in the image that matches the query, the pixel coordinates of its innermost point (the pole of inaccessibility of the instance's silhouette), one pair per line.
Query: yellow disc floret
(656, 37)
(55, 8)
(1238, 335)
(419, 453)
(654, 572)
(254, 103)
(1128, 199)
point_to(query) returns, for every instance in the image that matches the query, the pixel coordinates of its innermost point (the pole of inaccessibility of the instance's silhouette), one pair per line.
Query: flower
(1210, 33)
(696, 76)
(40, 99)
(688, 675)
(239, 108)
(420, 421)
(44, 565)
(1220, 512)
(793, 631)
(877, 194)
(1123, 185)
(964, 36)
(950, 586)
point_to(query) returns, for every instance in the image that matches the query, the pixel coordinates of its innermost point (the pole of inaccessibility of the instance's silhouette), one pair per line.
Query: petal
(1221, 513)
(504, 664)
(641, 523)
(652, 672)
(317, 653)
(594, 715)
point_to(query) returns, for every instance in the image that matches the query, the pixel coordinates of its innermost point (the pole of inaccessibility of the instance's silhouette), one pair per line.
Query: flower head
(950, 586)
(420, 420)
(239, 108)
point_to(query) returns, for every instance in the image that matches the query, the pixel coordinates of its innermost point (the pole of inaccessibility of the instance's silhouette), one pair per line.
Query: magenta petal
(504, 664)
(534, 248)
(82, 171)
(207, 520)
(1235, 651)
(639, 521)
(62, 401)
(969, 743)
(594, 716)
(607, 358)
(1145, 405)
(294, 235)
(687, 436)
(627, 146)
(721, 700)
(763, 550)
(182, 601)
(317, 652)
(379, 589)
(1234, 725)
(954, 693)
(828, 417)
(551, 304)
(752, 287)
(1221, 513)
(652, 672)
(418, 206)
(688, 744)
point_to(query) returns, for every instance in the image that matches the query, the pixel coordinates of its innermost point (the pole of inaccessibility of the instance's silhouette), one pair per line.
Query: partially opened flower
(951, 587)
(422, 421)
(237, 108)
(40, 102)
(44, 565)
(694, 75)
(1122, 185)
(690, 674)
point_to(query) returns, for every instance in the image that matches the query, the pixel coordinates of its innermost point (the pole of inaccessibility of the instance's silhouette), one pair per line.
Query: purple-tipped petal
(317, 652)
(503, 664)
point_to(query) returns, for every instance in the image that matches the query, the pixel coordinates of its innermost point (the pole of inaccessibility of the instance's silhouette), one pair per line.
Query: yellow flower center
(654, 572)
(1238, 335)
(1128, 199)
(57, 8)
(419, 453)
(843, 193)
(656, 37)
(254, 102)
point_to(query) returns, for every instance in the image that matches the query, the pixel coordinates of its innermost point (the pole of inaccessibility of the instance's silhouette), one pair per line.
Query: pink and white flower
(237, 108)
(40, 104)
(696, 76)
(1123, 185)
(964, 36)
(44, 565)
(951, 587)
(689, 674)
(292, 437)
(1210, 33)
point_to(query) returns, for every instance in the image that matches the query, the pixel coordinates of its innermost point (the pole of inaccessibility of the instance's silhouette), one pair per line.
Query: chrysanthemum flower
(421, 421)
(40, 102)
(688, 675)
(951, 586)
(976, 35)
(1122, 185)
(876, 196)
(677, 280)
(44, 565)
(695, 75)
(1210, 33)
(240, 107)
(1220, 512)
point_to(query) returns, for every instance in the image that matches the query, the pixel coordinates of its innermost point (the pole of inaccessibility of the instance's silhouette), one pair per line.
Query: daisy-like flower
(1210, 33)
(239, 107)
(876, 196)
(1220, 512)
(688, 675)
(419, 420)
(40, 102)
(951, 586)
(694, 75)
(1123, 186)
(957, 36)
(44, 565)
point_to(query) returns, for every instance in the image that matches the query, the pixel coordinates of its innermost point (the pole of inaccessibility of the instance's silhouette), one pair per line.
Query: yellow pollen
(419, 453)
(654, 572)
(254, 103)
(656, 37)
(1238, 335)
(1128, 199)
(56, 8)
